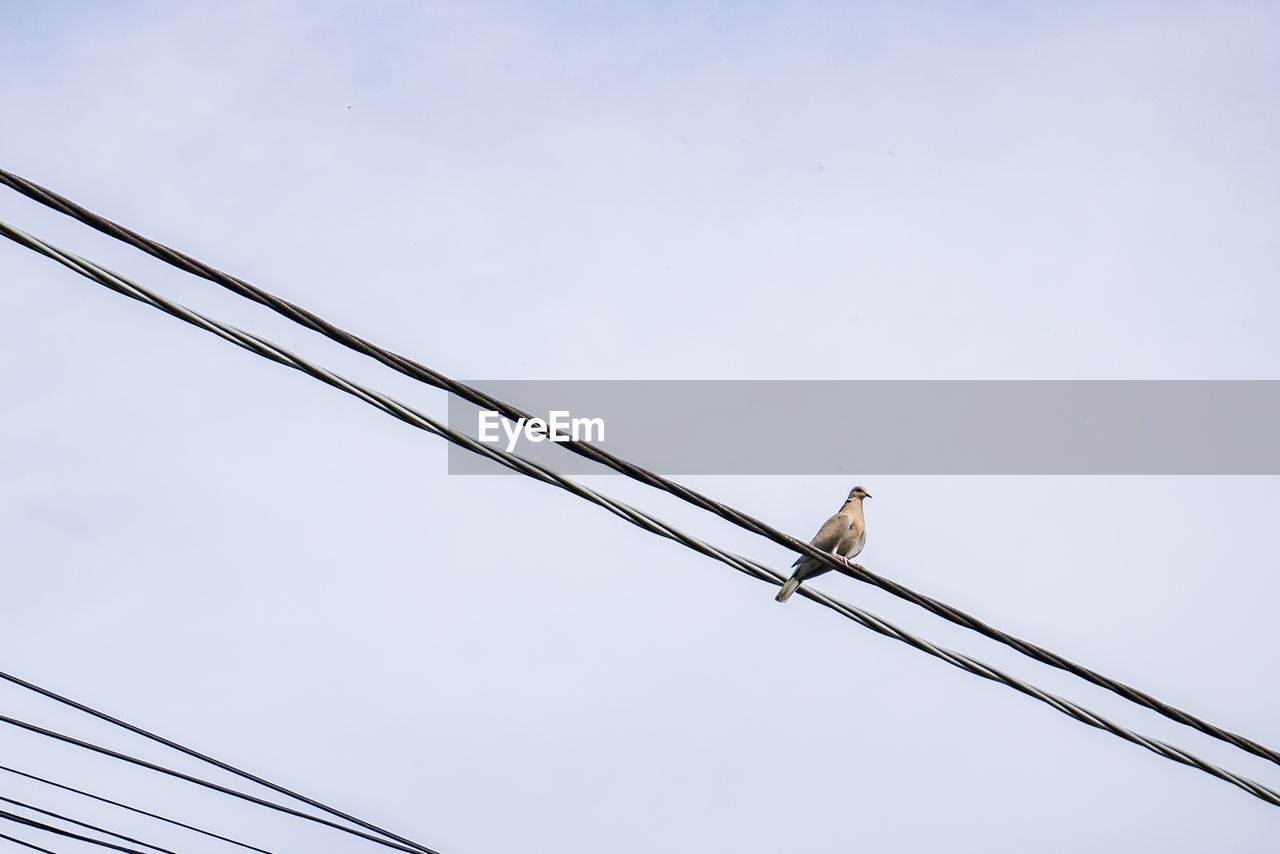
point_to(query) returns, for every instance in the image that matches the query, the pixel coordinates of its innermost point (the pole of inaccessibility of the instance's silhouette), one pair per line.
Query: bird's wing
(831, 532)
(839, 533)
(850, 545)
(828, 535)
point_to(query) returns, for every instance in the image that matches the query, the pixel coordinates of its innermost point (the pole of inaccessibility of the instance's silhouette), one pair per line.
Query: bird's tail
(787, 589)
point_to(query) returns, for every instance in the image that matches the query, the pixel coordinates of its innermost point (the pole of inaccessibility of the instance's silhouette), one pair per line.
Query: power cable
(637, 517)
(123, 806)
(420, 372)
(48, 828)
(26, 844)
(244, 796)
(85, 825)
(173, 745)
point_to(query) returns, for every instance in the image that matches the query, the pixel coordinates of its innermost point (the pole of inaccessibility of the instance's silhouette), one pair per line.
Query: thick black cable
(245, 796)
(48, 828)
(414, 418)
(420, 372)
(85, 825)
(137, 810)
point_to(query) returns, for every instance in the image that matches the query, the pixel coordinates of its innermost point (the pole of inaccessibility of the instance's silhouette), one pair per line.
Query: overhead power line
(402, 842)
(244, 796)
(124, 806)
(637, 517)
(427, 375)
(86, 825)
(49, 828)
(25, 844)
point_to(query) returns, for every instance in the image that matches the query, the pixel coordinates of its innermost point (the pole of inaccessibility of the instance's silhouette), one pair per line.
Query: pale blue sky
(224, 551)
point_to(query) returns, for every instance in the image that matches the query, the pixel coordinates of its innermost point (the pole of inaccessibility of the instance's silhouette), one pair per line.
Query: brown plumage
(844, 535)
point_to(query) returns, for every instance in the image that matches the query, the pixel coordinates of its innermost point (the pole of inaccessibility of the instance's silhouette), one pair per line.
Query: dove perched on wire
(844, 535)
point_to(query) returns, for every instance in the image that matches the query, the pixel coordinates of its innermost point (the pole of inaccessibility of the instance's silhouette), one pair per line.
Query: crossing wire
(155, 816)
(637, 517)
(420, 372)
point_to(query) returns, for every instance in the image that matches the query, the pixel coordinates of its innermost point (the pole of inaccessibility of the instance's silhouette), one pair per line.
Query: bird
(844, 535)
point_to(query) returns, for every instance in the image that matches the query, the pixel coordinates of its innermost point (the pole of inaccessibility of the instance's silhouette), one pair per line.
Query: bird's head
(858, 493)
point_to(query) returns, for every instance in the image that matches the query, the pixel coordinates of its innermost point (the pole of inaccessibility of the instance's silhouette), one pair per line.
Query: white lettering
(559, 427)
(488, 423)
(535, 430)
(512, 429)
(557, 424)
(593, 432)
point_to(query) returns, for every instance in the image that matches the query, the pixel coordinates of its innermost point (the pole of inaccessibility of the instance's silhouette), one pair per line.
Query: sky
(239, 558)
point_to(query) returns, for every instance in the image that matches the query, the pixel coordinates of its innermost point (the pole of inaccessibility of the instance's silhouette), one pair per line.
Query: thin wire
(175, 822)
(48, 828)
(27, 844)
(86, 826)
(151, 766)
(420, 372)
(405, 844)
(637, 517)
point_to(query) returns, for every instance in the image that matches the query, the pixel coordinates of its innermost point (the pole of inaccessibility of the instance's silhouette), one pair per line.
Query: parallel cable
(26, 844)
(152, 815)
(49, 828)
(403, 843)
(208, 784)
(637, 517)
(420, 372)
(85, 825)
